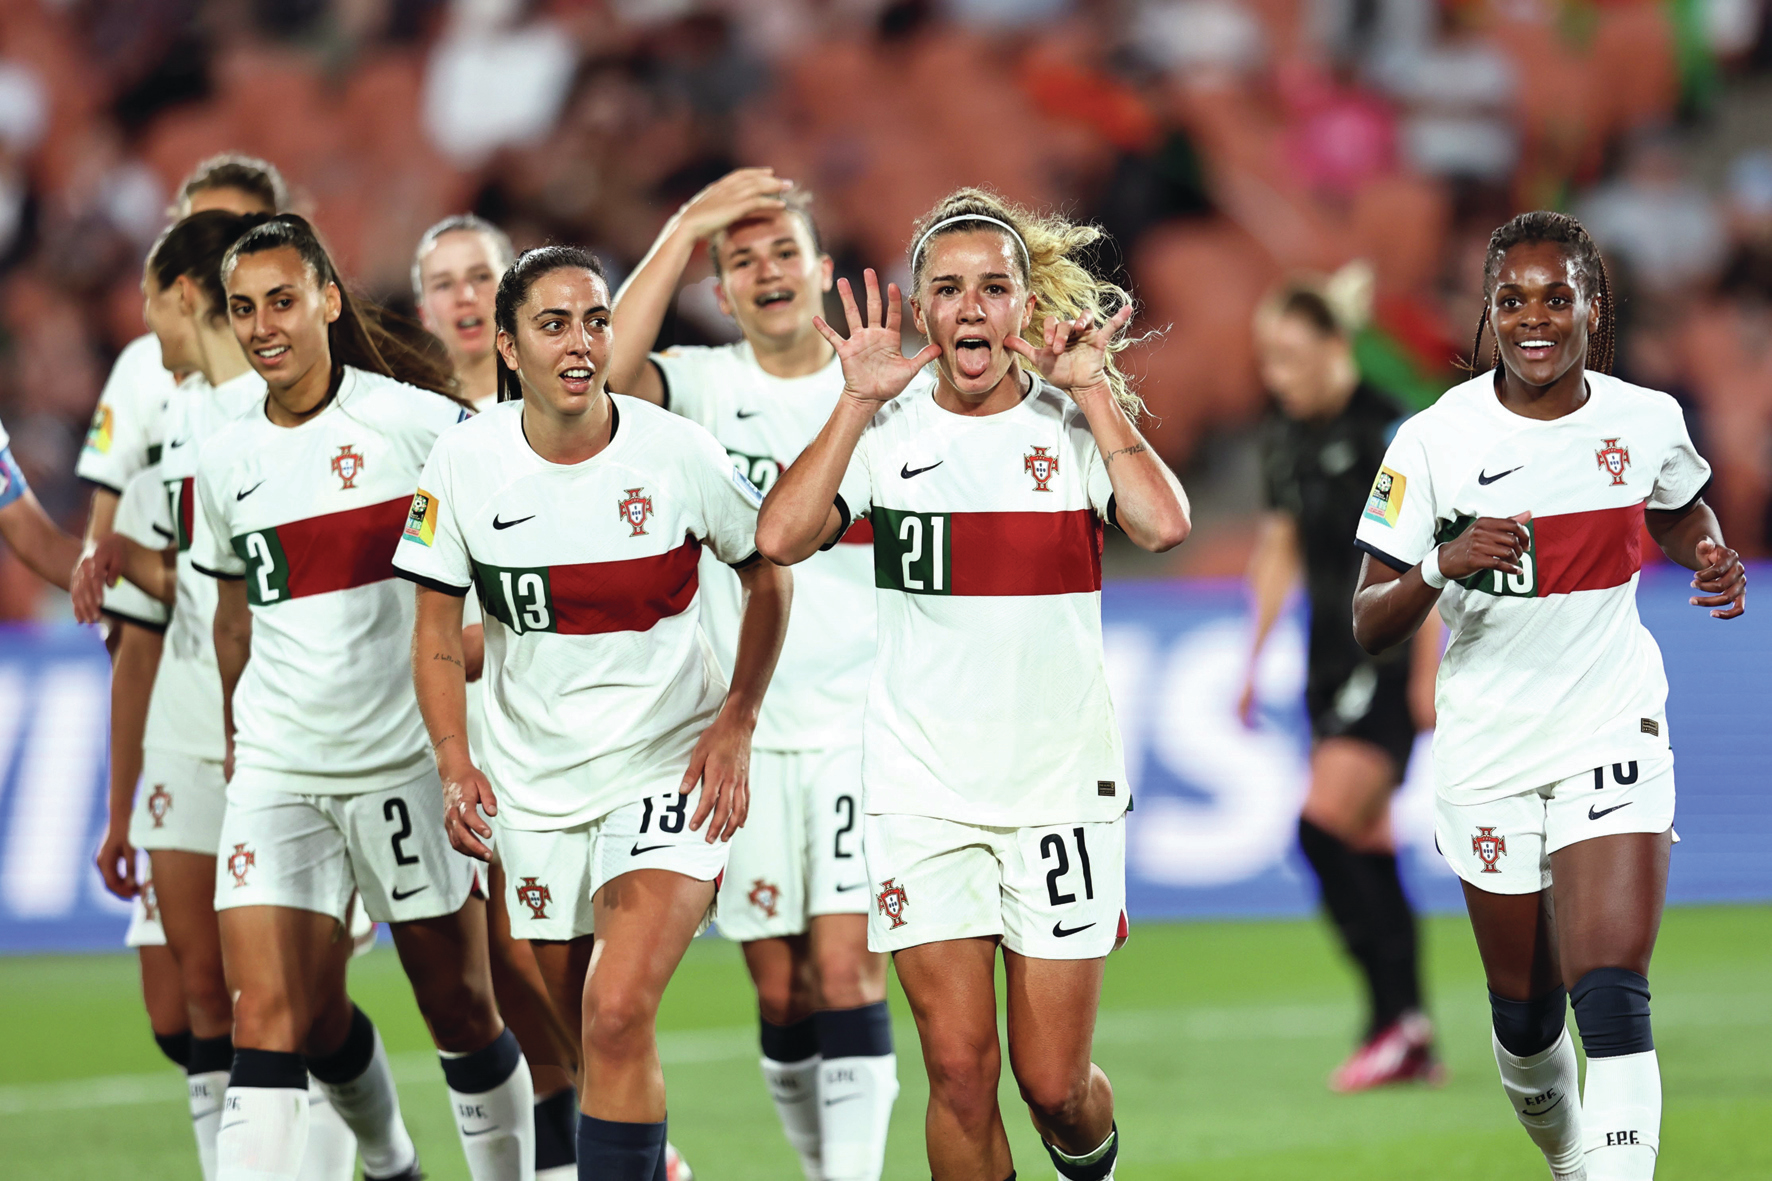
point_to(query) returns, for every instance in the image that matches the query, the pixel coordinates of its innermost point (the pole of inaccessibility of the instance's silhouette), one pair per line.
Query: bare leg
(548, 1045)
(1052, 1005)
(952, 990)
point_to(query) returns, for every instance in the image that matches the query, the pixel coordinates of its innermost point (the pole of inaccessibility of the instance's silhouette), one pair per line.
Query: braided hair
(1590, 277)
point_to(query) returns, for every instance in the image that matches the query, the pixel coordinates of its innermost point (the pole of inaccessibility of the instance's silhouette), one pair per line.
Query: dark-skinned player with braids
(1517, 504)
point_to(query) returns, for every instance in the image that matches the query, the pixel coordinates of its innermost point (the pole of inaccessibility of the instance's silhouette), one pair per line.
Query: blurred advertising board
(1216, 803)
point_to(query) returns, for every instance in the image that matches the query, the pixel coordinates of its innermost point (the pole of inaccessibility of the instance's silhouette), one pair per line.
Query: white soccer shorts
(312, 852)
(179, 803)
(1505, 846)
(1057, 892)
(144, 920)
(551, 876)
(799, 854)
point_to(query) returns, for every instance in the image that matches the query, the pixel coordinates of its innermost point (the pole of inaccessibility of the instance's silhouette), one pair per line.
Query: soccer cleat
(676, 1168)
(1402, 1052)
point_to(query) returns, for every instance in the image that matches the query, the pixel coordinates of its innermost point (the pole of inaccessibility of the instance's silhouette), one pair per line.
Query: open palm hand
(1073, 353)
(875, 368)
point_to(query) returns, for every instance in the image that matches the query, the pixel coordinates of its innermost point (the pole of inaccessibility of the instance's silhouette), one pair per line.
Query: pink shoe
(1402, 1052)
(676, 1168)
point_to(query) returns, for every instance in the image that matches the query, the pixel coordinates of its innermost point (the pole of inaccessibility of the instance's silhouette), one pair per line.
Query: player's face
(280, 313)
(561, 347)
(772, 279)
(459, 277)
(226, 198)
(1299, 364)
(164, 310)
(972, 300)
(1539, 314)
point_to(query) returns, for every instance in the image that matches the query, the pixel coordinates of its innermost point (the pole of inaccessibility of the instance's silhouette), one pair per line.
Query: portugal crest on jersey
(1613, 458)
(240, 861)
(634, 510)
(892, 902)
(535, 897)
(765, 896)
(1489, 847)
(150, 902)
(159, 804)
(347, 465)
(1041, 466)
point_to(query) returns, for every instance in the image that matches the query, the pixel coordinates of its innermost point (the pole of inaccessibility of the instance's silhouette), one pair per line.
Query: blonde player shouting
(332, 792)
(1517, 503)
(795, 892)
(615, 757)
(996, 789)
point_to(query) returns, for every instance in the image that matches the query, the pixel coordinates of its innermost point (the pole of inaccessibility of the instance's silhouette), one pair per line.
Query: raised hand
(1723, 580)
(1491, 543)
(1073, 354)
(746, 192)
(875, 368)
(99, 568)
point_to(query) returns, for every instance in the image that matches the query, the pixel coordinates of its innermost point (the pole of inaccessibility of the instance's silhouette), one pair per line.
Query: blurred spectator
(1653, 218)
(493, 80)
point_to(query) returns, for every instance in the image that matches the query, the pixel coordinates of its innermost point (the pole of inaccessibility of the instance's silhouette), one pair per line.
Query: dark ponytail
(513, 289)
(1590, 277)
(194, 248)
(365, 336)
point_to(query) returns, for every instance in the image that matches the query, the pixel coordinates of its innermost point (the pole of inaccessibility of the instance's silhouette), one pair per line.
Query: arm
(439, 674)
(800, 512)
(1273, 572)
(1391, 604)
(154, 571)
(643, 301)
(233, 647)
(43, 545)
(473, 651)
(102, 516)
(132, 684)
(1424, 671)
(722, 757)
(1693, 538)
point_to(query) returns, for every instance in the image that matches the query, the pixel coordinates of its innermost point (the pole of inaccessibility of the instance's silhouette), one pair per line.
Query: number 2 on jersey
(267, 569)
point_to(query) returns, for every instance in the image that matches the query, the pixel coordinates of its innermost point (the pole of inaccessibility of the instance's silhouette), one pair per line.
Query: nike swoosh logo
(1554, 1106)
(175, 445)
(747, 413)
(906, 471)
(481, 1132)
(249, 491)
(1595, 815)
(846, 889)
(399, 897)
(235, 1124)
(637, 850)
(1486, 478)
(1059, 931)
(498, 524)
(842, 1099)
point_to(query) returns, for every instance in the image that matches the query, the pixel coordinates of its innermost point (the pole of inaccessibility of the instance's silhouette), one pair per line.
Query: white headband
(917, 251)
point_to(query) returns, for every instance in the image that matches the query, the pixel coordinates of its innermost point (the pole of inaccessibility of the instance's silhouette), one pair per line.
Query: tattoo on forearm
(1132, 450)
(438, 745)
(451, 659)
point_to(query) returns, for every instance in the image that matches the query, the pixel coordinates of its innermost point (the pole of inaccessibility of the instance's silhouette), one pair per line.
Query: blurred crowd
(1223, 144)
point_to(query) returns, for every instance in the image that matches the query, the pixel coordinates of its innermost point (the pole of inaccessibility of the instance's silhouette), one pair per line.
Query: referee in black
(1321, 444)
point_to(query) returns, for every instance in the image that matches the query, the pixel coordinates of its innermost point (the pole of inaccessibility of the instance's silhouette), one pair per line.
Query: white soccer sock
(207, 1091)
(1623, 1115)
(263, 1134)
(332, 1149)
(794, 1088)
(493, 1098)
(1546, 1097)
(854, 1109)
(370, 1106)
(558, 1173)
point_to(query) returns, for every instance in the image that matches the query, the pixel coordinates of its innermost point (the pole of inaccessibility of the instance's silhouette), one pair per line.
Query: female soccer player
(615, 758)
(1529, 487)
(795, 887)
(455, 274)
(1327, 432)
(332, 793)
(996, 789)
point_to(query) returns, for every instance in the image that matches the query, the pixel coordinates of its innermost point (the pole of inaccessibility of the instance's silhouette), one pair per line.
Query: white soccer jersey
(309, 517)
(764, 422)
(141, 517)
(1548, 672)
(184, 714)
(989, 701)
(127, 428)
(598, 680)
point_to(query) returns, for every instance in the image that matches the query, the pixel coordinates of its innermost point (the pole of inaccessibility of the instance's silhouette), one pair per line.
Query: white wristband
(1430, 569)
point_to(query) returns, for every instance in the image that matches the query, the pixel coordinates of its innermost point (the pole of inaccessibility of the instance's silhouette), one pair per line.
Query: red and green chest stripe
(332, 552)
(987, 553)
(591, 598)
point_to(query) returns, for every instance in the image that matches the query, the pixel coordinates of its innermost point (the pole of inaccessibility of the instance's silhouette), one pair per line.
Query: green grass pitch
(1217, 1036)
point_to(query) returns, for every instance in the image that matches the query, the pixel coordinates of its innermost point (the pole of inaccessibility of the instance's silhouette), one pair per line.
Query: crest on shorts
(1489, 847)
(634, 510)
(535, 897)
(892, 901)
(765, 896)
(159, 804)
(150, 902)
(1613, 458)
(240, 861)
(347, 465)
(1041, 466)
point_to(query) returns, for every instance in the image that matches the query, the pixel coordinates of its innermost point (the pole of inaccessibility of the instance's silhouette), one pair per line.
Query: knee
(1055, 1098)
(842, 982)
(1525, 1028)
(206, 990)
(963, 1079)
(618, 1023)
(268, 1021)
(461, 1014)
(779, 1002)
(1612, 1011)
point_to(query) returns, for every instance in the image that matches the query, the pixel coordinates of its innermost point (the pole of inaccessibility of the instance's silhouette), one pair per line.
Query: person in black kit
(1320, 446)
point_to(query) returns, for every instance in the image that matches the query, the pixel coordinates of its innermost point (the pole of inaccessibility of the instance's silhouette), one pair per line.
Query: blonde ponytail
(1050, 254)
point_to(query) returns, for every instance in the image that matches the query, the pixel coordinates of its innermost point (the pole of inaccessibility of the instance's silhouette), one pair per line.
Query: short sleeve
(212, 547)
(143, 516)
(729, 501)
(432, 551)
(855, 494)
(12, 477)
(123, 426)
(685, 373)
(1397, 524)
(1684, 474)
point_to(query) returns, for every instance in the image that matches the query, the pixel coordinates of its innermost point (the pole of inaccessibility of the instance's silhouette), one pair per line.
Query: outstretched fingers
(851, 313)
(872, 282)
(829, 333)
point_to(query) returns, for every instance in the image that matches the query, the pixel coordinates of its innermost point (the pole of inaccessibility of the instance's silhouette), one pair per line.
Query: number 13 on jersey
(520, 598)
(1523, 585)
